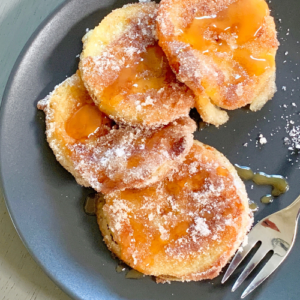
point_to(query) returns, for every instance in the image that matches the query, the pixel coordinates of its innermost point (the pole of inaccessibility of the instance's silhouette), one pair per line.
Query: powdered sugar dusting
(204, 68)
(119, 210)
(293, 139)
(201, 227)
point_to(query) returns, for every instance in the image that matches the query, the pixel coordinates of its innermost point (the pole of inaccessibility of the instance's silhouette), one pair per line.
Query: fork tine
(239, 256)
(255, 260)
(267, 270)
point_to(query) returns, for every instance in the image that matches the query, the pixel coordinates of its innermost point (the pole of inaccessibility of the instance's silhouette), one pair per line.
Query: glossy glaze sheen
(47, 205)
(243, 18)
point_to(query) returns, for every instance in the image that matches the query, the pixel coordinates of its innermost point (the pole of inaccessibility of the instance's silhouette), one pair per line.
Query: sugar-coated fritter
(104, 156)
(223, 50)
(127, 73)
(183, 228)
(71, 117)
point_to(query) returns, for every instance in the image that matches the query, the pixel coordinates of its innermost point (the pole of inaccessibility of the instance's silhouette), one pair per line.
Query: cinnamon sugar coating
(104, 156)
(132, 157)
(127, 73)
(59, 106)
(183, 228)
(225, 58)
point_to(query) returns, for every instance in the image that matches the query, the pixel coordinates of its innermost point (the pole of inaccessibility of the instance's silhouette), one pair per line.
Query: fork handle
(293, 209)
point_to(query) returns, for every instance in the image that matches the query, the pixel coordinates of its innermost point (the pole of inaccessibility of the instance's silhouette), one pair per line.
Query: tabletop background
(20, 277)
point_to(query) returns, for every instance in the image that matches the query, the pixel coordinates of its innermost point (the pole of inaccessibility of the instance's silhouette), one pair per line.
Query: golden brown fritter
(183, 228)
(223, 50)
(128, 74)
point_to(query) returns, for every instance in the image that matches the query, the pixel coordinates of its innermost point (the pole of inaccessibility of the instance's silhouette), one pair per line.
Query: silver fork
(276, 233)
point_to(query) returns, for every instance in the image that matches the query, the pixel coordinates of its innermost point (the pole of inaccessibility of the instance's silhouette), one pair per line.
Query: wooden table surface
(20, 276)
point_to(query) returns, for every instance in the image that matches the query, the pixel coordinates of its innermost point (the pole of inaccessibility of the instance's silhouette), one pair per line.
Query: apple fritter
(127, 73)
(183, 228)
(223, 50)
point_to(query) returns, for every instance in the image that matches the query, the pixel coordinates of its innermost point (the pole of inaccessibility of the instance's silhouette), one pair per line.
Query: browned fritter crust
(184, 228)
(210, 77)
(117, 45)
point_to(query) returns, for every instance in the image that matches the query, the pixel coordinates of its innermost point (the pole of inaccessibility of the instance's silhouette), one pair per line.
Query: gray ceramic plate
(46, 204)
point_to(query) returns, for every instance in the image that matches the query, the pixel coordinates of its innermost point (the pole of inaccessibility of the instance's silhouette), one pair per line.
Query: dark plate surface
(46, 204)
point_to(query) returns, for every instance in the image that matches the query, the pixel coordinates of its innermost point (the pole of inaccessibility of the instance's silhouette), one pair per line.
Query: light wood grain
(20, 277)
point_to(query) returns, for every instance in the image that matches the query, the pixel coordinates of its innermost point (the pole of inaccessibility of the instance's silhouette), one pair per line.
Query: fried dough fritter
(104, 156)
(223, 50)
(128, 74)
(134, 157)
(183, 228)
(67, 99)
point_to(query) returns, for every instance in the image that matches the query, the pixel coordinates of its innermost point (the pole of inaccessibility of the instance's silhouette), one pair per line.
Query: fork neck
(293, 210)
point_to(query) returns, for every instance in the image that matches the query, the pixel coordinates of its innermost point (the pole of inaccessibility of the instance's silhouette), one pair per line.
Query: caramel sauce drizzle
(228, 31)
(148, 72)
(85, 121)
(90, 205)
(278, 183)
